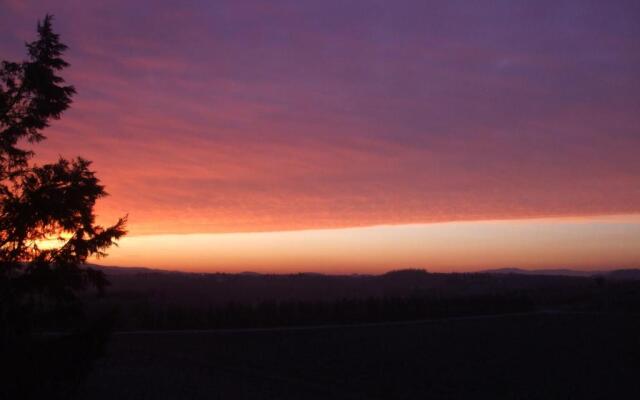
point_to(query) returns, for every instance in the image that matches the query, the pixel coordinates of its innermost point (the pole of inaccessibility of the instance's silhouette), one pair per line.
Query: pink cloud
(283, 116)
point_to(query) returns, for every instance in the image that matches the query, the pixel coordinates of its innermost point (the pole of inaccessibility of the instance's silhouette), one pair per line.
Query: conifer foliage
(43, 204)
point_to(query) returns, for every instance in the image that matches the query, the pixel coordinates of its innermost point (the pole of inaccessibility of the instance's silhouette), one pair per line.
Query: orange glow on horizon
(582, 243)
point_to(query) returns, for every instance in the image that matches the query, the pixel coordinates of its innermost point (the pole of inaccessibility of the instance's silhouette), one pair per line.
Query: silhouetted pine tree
(40, 203)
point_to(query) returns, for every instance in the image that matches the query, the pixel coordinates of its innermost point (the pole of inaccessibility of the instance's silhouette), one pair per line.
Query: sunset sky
(354, 136)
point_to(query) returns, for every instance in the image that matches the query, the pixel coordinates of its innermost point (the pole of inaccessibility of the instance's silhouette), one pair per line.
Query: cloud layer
(227, 117)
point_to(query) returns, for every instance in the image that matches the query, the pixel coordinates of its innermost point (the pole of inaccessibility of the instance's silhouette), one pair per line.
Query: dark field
(534, 356)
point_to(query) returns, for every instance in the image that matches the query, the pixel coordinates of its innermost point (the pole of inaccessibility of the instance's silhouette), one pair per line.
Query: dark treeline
(217, 288)
(146, 315)
(155, 300)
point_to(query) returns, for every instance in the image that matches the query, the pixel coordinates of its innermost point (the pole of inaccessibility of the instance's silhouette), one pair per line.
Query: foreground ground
(536, 356)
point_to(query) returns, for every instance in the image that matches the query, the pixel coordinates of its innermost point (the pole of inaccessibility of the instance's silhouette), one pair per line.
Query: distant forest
(147, 299)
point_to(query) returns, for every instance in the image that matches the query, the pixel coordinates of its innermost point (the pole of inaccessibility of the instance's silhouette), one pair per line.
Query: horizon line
(414, 269)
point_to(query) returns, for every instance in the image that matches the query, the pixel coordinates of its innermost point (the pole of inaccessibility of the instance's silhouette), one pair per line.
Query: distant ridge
(631, 273)
(112, 270)
(556, 272)
(620, 274)
(625, 274)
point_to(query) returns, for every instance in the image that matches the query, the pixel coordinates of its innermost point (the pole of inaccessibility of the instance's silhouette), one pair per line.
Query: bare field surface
(537, 356)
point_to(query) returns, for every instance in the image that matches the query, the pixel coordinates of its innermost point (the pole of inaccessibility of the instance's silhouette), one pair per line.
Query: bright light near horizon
(586, 242)
(53, 242)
